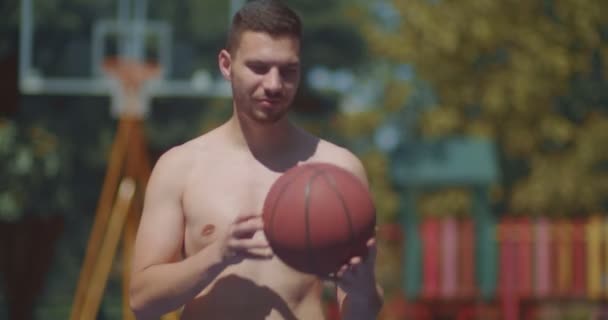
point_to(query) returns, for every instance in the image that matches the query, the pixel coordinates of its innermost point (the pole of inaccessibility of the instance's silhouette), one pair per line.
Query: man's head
(266, 16)
(262, 60)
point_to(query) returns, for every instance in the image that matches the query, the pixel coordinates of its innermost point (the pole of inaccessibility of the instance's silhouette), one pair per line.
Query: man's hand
(359, 295)
(245, 239)
(357, 277)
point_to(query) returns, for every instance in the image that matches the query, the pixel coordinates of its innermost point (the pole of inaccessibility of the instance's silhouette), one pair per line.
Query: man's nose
(273, 82)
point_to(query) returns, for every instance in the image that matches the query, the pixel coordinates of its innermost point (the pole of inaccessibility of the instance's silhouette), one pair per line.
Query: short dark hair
(268, 16)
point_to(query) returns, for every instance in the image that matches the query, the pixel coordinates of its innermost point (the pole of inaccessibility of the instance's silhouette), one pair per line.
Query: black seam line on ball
(332, 184)
(311, 256)
(276, 203)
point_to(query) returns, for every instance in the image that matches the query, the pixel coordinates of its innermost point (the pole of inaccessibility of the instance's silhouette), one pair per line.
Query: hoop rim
(131, 73)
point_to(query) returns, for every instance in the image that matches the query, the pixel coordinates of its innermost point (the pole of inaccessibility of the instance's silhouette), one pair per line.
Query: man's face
(264, 72)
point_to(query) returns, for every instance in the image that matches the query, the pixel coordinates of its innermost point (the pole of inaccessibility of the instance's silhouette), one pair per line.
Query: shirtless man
(200, 244)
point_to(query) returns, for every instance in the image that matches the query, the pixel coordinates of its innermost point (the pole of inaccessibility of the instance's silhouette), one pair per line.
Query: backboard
(64, 43)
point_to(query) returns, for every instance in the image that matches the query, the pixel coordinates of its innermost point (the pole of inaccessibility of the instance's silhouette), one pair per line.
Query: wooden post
(101, 269)
(412, 254)
(542, 265)
(594, 253)
(524, 256)
(467, 264)
(449, 257)
(429, 232)
(129, 162)
(102, 215)
(562, 235)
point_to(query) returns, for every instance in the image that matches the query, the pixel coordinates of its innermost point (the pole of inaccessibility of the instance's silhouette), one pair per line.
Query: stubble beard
(248, 108)
(268, 117)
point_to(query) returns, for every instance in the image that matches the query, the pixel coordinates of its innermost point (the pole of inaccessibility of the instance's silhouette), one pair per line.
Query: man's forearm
(361, 307)
(160, 289)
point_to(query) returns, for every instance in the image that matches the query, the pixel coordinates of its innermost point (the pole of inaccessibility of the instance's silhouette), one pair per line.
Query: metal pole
(124, 13)
(412, 250)
(25, 39)
(139, 29)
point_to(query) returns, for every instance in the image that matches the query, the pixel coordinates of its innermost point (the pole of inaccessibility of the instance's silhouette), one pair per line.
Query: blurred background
(483, 127)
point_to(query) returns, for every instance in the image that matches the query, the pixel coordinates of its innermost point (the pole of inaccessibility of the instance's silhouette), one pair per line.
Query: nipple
(208, 230)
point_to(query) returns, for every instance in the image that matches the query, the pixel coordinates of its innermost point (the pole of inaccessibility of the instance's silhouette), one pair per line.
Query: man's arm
(160, 280)
(359, 295)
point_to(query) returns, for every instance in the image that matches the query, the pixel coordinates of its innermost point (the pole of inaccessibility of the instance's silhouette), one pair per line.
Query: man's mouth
(268, 101)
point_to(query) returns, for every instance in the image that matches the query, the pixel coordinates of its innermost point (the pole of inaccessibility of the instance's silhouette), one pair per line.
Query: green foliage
(452, 201)
(528, 74)
(384, 195)
(31, 170)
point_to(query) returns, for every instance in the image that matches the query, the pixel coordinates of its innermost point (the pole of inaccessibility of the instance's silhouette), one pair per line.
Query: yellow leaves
(587, 27)
(385, 198)
(559, 186)
(440, 121)
(582, 17)
(494, 98)
(422, 29)
(568, 182)
(604, 54)
(451, 201)
(480, 128)
(43, 141)
(557, 129)
(481, 30)
(376, 164)
(519, 140)
(591, 141)
(445, 34)
(354, 13)
(383, 44)
(529, 196)
(354, 124)
(395, 95)
(388, 262)
(513, 60)
(433, 25)
(550, 60)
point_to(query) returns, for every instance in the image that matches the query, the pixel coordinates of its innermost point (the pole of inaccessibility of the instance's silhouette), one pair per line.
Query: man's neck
(262, 140)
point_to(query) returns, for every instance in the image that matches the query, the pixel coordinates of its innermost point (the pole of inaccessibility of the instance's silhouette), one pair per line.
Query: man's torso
(222, 184)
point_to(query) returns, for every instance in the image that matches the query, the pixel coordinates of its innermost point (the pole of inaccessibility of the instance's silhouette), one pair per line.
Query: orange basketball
(317, 216)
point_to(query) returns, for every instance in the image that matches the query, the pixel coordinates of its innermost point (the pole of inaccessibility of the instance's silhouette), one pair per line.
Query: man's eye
(258, 69)
(289, 72)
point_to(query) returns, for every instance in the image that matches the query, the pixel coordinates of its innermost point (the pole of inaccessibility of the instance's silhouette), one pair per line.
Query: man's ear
(225, 62)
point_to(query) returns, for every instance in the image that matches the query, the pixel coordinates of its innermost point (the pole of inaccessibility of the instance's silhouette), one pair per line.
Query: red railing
(539, 260)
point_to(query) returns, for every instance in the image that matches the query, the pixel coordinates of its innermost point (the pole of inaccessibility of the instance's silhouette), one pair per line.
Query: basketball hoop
(129, 85)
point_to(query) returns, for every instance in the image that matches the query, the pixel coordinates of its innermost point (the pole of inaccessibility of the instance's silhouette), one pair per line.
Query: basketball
(317, 216)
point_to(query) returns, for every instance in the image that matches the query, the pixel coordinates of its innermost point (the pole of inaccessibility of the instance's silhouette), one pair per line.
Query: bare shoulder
(176, 164)
(342, 157)
(181, 161)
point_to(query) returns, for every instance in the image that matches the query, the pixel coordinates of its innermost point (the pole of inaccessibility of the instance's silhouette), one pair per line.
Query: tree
(528, 74)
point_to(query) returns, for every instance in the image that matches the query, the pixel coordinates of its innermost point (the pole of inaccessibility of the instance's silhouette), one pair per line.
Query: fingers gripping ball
(317, 216)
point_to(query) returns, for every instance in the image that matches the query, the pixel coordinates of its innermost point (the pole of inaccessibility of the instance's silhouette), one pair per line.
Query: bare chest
(212, 202)
(216, 195)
